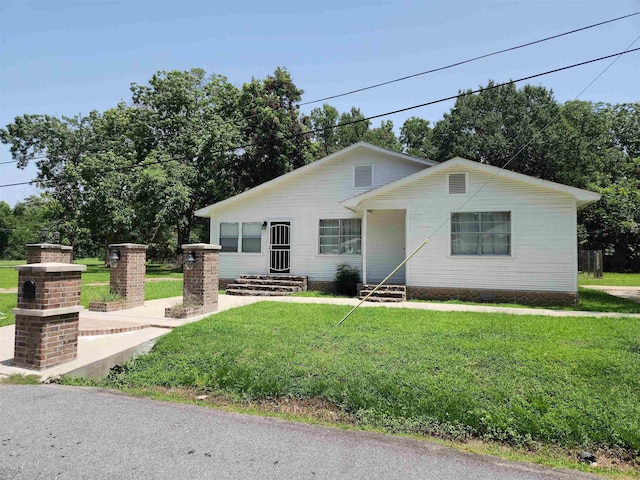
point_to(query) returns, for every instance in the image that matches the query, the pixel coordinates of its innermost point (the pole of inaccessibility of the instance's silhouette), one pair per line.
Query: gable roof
(206, 211)
(583, 197)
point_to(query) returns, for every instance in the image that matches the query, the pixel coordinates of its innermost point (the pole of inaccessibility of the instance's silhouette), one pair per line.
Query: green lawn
(152, 291)
(590, 301)
(612, 279)
(519, 380)
(96, 271)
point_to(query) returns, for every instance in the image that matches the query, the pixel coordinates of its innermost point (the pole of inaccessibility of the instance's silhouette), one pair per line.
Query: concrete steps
(267, 285)
(386, 293)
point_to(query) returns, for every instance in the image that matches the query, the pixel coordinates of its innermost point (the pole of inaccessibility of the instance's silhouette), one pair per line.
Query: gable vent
(457, 183)
(363, 176)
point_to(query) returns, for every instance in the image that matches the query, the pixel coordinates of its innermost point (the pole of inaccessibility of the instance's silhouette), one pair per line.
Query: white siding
(543, 228)
(385, 245)
(304, 200)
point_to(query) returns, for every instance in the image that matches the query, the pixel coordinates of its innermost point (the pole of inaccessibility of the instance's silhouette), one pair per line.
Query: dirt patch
(310, 408)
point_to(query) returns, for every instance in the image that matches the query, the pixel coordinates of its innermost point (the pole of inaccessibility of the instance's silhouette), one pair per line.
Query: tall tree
(501, 125)
(276, 138)
(352, 127)
(192, 121)
(323, 121)
(383, 136)
(415, 138)
(58, 147)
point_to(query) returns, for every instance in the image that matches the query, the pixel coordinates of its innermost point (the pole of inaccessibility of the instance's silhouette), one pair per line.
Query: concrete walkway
(630, 293)
(109, 339)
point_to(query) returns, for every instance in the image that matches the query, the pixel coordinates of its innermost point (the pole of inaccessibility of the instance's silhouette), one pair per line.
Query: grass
(96, 271)
(518, 380)
(152, 291)
(590, 301)
(612, 279)
(597, 301)
(93, 293)
(20, 379)
(7, 303)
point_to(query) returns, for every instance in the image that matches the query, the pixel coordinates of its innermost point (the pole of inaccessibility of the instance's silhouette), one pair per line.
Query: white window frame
(481, 255)
(243, 236)
(340, 236)
(372, 176)
(240, 237)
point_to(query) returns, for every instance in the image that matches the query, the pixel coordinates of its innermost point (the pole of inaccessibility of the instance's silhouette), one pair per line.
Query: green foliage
(354, 127)
(612, 279)
(276, 138)
(499, 124)
(8, 302)
(415, 137)
(598, 301)
(520, 380)
(323, 121)
(20, 379)
(347, 279)
(383, 136)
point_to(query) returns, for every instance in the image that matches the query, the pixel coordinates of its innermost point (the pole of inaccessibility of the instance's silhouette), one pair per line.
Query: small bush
(347, 279)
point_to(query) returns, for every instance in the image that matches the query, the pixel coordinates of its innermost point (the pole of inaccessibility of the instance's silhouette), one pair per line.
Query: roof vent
(363, 176)
(457, 183)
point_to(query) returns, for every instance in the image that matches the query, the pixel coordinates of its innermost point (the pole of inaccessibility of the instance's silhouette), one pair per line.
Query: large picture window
(340, 236)
(249, 242)
(481, 233)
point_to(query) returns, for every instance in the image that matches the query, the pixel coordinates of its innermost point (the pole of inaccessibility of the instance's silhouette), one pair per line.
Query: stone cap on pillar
(52, 312)
(52, 246)
(51, 267)
(130, 246)
(200, 246)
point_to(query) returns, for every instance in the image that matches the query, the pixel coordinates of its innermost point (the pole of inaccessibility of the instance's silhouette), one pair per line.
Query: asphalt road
(76, 433)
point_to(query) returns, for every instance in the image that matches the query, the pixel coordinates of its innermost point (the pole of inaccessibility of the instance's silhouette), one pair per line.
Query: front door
(280, 247)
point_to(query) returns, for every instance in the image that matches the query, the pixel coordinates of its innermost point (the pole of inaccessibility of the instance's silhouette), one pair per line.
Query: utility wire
(466, 202)
(463, 62)
(438, 69)
(366, 119)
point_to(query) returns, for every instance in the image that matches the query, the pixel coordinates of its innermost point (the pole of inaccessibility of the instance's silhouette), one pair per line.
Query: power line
(446, 221)
(480, 57)
(463, 62)
(366, 119)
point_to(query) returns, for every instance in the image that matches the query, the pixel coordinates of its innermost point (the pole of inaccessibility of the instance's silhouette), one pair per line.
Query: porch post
(363, 246)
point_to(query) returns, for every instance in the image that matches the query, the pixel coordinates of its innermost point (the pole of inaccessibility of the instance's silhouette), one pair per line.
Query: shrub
(347, 279)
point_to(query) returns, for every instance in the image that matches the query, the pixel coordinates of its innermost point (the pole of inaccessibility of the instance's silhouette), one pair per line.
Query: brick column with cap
(127, 277)
(201, 280)
(47, 314)
(49, 252)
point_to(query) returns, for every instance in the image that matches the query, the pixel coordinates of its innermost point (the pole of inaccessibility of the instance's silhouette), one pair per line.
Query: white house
(494, 234)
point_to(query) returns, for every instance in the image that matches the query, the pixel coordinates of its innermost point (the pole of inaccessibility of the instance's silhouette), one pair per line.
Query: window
(481, 233)
(229, 237)
(457, 183)
(340, 237)
(251, 237)
(363, 176)
(250, 242)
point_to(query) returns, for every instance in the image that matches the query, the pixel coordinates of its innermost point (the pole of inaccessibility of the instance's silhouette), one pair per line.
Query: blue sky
(68, 57)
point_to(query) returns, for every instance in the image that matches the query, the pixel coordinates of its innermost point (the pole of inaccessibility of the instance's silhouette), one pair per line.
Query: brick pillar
(127, 277)
(201, 282)
(49, 252)
(47, 314)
